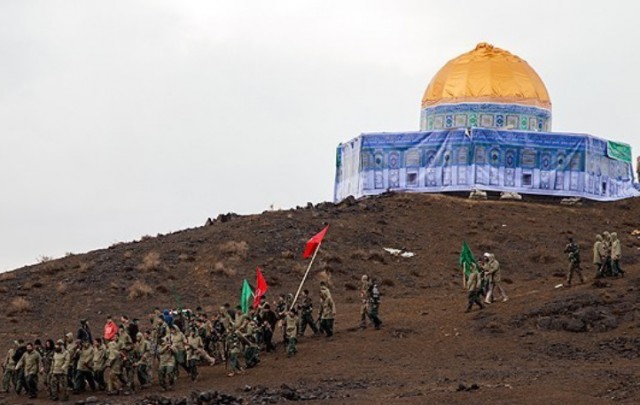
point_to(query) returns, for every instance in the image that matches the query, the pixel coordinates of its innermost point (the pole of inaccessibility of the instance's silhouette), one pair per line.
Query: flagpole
(295, 298)
(464, 271)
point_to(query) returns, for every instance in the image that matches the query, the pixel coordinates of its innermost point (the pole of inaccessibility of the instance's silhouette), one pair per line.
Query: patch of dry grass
(234, 249)
(19, 305)
(139, 289)
(8, 276)
(221, 268)
(61, 288)
(151, 262)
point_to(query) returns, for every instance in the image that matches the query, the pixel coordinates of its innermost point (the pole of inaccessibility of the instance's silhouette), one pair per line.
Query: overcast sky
(120, 119)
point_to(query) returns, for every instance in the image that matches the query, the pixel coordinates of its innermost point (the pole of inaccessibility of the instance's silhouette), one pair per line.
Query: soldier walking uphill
(58, 380)
(365, 284)
(373, 304)
(327, 312)
(599, 255)
(616, 255)
(9, 367)
(474, 287)
(573, 251)
(307, 314)
(31, 361)
(491, 269)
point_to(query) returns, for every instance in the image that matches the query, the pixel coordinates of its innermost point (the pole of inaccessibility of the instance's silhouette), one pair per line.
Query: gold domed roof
(487, 74)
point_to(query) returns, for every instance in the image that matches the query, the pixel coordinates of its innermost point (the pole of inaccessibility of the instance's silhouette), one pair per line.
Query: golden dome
(487, 74)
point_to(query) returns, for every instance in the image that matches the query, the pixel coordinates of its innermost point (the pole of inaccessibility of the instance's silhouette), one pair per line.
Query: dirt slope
(545, 345)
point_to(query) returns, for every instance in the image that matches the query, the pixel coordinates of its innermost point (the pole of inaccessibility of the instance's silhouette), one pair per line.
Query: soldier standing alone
(573, 251)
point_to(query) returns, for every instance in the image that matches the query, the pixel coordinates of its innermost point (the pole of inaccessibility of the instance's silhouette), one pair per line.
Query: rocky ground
(545, 345)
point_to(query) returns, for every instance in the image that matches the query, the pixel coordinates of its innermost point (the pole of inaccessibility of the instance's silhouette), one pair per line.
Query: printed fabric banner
(555, 164)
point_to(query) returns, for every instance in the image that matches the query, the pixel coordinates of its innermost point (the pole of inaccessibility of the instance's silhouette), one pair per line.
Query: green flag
(619, 151)
(246, 296)
(466, 258)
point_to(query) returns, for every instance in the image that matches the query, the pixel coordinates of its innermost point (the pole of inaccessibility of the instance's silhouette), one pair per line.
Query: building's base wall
(563, 165)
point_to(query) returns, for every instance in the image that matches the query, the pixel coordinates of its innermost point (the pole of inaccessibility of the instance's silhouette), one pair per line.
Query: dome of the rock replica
(487, 87)
(485, 125)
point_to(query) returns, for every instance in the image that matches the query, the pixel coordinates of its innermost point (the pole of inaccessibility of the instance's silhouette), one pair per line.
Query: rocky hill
(544, 345)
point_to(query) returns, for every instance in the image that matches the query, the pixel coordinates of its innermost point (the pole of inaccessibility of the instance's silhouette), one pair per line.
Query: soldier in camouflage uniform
(72, 349)
(291, 328)
(306, 308)
(373, 302)
(606, 247)
(167, 366)
(114, 364)
(234, 348)
(31, 361)
(573, 252)
(249, 340)
(9, 367)
(194, 348)
(492, 273)
(100, 357)
(178, 340)
(599, 255)
(47, 356)
(58, 380)
(84, 370)
(364, 298)
(327, 312)
(616, 255)
(143, 358)
(474, 286)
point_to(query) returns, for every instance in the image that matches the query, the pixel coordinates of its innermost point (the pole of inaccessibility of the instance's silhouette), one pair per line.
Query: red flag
(261, 288)
(313, 243)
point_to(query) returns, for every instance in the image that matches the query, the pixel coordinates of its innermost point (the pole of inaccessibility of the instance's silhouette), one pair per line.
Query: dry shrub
(8, 276)
(44, 259)
(146, 237)
(233, 248)
(128, 254)
(220, 268)
(540, 255)
(287, 254)
(139, 289)
(4, 290)
(151, 262)
(37, 284)
(51, 268)
(19, 305)
(186, 257)
(61, 288)
(114, 286)
(84, 267)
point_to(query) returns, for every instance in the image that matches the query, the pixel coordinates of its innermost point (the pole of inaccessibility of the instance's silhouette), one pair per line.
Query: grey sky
(125, 118)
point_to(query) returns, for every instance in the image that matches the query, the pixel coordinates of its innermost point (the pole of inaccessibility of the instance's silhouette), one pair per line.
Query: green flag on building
(246, 297)
(619, 151)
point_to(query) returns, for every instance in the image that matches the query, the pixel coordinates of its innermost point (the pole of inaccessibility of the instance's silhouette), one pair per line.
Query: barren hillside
(545, 345)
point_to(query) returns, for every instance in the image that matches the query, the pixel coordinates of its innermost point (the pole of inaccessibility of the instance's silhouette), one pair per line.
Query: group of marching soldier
(484, 277)
(607, 252)
(122, 360)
